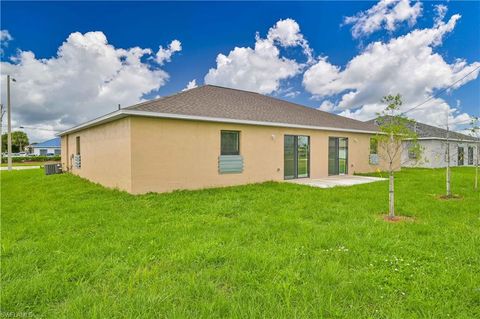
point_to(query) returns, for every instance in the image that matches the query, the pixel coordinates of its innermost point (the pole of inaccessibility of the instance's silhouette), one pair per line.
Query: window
(373, 146)
(470, 155)
(57, 152)
(230, 143)
(373, 151)
(412, 151)
(43, 152)
(77, 140)
(461, 156)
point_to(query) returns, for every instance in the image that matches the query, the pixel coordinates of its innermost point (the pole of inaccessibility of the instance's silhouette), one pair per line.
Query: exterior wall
(105, 154)
(172, 154)
(36, 150)
(434, 154)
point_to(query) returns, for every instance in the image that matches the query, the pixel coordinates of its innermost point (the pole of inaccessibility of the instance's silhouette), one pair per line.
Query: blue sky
(206, 30)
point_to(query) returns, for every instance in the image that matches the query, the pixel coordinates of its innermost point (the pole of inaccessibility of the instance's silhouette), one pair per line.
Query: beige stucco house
(213, 136)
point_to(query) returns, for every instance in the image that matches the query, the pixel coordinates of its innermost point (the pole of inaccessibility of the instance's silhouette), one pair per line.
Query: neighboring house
(433, 142)
(212, 136)
(48, 147)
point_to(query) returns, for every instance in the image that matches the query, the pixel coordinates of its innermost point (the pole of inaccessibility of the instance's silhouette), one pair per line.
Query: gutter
(126, 112)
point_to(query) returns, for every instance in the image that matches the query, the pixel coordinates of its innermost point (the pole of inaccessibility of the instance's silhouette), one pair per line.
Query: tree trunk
(391, 197)
(476, 177)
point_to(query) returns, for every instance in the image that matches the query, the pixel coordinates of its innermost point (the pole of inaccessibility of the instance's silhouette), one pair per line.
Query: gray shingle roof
(219, 102)
(428, 131)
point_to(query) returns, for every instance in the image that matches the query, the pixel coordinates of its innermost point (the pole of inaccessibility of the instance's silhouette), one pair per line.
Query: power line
(440, 92)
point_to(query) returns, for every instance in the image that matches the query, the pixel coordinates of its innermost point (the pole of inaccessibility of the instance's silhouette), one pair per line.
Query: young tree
(475, 132)
(393, 129)
(447, 154)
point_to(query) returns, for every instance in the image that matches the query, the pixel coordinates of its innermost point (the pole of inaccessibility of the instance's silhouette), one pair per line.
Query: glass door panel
(296, 156)
(289, 157)
(342, 156)
(303, 155)
(337, 156)
(332, 156)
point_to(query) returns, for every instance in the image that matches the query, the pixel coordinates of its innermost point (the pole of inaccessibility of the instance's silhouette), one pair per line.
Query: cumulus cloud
(407, 65)
(165, 54)
(191, 85)
(287, 34)
(261, 68)
(386, 14)
(88, 77)
(5, 37)
(327, 106)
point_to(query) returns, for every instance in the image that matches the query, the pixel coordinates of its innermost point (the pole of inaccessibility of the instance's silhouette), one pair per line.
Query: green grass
(72, 249)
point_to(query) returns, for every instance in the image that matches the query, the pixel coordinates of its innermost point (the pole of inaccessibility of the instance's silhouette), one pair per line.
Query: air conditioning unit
(51, 169)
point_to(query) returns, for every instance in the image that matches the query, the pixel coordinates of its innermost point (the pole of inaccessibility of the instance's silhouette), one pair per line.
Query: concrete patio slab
(333, 181)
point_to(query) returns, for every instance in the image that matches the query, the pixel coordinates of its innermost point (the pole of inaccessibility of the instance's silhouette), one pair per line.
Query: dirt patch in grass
(450, 197)
(397, 219)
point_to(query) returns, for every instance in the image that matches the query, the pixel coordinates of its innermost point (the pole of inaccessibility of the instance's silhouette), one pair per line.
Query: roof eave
(100, 120)
(128, 112)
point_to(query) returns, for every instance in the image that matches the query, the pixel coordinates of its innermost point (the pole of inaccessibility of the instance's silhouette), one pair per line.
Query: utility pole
(448, 159)
(9, 125)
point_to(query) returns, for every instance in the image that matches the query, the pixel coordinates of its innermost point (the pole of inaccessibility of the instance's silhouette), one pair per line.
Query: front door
(337, 156)
(296, 156)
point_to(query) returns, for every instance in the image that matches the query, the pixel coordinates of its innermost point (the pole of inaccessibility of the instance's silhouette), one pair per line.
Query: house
(433, 143)
(213, 136)
(50, 147)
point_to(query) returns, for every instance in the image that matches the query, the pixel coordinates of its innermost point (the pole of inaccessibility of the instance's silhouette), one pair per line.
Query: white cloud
(292, 94)
(5, 37)
(407, 65)
(386, 14)
(287, 34)
(165, 54)
(440, 12)
(327, 106)
(262, 68)
(88, 77)
(191, 85)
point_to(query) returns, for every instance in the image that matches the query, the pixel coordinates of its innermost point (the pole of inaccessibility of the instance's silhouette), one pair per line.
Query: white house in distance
(50, 147)
(464, 149)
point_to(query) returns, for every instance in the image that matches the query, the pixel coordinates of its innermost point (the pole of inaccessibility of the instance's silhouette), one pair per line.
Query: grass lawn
(72, 249)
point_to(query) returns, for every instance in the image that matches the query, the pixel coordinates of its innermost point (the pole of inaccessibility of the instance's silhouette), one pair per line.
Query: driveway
(333, 181)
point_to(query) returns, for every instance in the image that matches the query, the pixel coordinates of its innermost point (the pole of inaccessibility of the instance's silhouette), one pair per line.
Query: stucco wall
(434, 154)
(105, 154)
(174, 154)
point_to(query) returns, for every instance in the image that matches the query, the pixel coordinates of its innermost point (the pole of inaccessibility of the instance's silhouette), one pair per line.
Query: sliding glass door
(337, 156)
(296, 155)
(289, 170)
